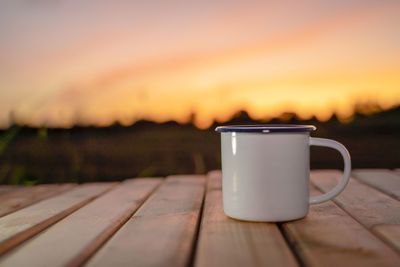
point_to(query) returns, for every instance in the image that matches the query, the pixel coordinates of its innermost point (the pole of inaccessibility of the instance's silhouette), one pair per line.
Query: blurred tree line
(83, 154)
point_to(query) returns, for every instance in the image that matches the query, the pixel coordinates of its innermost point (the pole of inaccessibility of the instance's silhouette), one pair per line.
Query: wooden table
(178, 221)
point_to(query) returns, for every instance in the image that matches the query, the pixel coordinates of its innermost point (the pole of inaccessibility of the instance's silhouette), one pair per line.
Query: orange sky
(63, 63)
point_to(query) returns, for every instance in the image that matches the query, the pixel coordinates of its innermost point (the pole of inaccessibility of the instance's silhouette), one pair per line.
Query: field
(84, 154)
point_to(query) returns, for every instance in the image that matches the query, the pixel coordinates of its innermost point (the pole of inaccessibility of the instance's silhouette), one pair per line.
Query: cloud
(100, 73)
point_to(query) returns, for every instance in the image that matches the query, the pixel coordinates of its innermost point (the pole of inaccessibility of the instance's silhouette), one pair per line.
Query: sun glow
(209, 60)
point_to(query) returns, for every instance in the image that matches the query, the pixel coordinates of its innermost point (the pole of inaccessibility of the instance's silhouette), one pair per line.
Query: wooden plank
(227, 242)
(389, 232)
(22, 224)
(328, 236)
(23, 197)
(8, 188)
(162, 231)
(366, 204)
(84, 231)
(382, 179)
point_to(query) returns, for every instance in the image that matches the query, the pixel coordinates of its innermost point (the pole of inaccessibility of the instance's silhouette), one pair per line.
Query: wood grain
(389, 232)
(384, 180)
(328, 236)
(227, 242)
(23, 197)
(84, 231)
(24, 223)
(365, 203)
(162, 231)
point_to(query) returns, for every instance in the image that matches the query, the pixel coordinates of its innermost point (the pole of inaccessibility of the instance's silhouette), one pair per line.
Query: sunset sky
(97, 62)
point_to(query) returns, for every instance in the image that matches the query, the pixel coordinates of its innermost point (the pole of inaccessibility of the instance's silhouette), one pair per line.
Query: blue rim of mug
(272, 128)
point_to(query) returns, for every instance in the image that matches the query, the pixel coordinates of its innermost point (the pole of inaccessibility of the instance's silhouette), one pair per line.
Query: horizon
(74, 63)
(366, 111)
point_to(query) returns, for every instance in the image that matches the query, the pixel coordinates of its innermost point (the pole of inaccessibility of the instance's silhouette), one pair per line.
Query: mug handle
(346, 172)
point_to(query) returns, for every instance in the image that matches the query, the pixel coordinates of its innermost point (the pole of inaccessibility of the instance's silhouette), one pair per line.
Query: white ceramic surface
(266, 175)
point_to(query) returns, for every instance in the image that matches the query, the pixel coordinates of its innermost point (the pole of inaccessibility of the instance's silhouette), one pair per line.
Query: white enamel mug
(265, 171)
